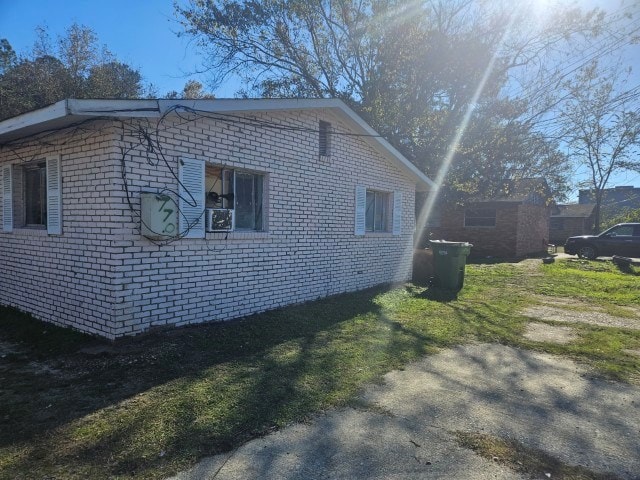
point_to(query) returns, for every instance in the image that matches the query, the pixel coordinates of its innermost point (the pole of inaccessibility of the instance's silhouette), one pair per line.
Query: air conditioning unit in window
(219, 220)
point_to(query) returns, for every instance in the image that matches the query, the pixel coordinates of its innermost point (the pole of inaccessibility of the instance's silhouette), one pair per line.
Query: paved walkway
(405, 428)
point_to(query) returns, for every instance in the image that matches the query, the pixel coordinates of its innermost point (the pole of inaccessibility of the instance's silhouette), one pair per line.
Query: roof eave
(35, 117)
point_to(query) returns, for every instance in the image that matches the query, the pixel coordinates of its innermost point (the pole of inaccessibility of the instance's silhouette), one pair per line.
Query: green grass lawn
(155, 404)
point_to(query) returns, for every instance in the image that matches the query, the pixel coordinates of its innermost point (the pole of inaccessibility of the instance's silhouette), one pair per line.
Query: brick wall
(101, 276)
(533, 230)
(571, 226)
(498, 241)
(519, 230)
(66, 279)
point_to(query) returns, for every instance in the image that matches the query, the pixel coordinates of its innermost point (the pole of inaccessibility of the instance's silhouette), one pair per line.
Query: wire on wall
(144, 139)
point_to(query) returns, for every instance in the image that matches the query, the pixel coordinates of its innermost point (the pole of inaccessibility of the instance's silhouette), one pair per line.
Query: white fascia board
(251, 104)
(114, 108)
(29, 119)
(69, 111)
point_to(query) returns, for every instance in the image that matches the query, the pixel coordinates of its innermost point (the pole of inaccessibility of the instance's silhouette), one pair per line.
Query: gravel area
(593, 317)
(543, 332)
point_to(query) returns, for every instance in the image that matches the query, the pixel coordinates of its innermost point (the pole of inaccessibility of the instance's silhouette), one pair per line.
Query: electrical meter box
(158, 217)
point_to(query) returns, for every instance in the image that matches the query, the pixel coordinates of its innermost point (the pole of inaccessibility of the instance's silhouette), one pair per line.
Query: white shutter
(397, 213)
(361, 208)
(191, 201)
(7, 199)
(54, 196)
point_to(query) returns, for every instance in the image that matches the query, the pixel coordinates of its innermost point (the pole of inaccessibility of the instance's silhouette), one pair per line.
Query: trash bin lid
(446, 243)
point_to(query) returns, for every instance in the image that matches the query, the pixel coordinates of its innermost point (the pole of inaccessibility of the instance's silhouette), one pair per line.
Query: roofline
(37, 121)
(52, 112)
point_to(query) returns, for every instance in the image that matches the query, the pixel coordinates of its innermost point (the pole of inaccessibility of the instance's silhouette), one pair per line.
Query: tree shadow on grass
(154, 403)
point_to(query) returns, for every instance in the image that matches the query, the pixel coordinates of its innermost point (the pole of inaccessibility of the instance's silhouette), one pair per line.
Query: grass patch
(152, 405)
(595, 281)
(529, 461)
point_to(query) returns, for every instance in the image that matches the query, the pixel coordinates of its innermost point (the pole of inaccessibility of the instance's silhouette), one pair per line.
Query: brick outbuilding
(570, 221)
(513, 225)
(122, 215)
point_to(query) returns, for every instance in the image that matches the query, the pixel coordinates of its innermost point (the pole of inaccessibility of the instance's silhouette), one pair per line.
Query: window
(377, 212)
(556, 223)
(32, 195)
(248, 201)
(480, 217)
(238, 190)
(324, 139)
(202, 186)
(35, 194)
(622, 231)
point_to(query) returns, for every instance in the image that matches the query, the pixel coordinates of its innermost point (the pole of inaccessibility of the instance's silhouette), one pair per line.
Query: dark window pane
(380, 217)
(556, 223)
(324, 142)
(622, 231)
(377, 212)
(370, 212)
(248, 201)
(257, 180)
(35, 188)
(480, 217)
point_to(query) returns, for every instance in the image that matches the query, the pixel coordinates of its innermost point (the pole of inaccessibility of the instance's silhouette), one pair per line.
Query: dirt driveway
(411, 425)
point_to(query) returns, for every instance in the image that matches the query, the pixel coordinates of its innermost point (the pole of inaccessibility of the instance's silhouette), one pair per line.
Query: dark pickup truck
(622, 239)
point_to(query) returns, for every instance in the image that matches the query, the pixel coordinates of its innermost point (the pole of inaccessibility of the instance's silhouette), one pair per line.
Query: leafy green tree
(31, 84)
(411, 69)
(76, 68)
(113, 80)
(191, 90)
(628, 216)
(195, 89)
(8, 56)
(600, 121)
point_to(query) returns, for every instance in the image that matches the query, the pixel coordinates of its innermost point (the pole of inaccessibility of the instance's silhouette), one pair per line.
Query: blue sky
(139, 32)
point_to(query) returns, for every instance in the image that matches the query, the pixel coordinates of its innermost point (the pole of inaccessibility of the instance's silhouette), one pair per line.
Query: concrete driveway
(405, 427)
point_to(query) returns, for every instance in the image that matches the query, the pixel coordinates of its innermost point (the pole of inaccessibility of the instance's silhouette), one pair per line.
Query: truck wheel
(587, 252)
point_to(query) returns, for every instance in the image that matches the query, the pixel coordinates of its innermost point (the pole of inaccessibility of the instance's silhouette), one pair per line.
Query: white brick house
(320, 205)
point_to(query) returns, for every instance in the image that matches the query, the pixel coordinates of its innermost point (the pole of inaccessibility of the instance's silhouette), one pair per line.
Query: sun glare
(427, 208)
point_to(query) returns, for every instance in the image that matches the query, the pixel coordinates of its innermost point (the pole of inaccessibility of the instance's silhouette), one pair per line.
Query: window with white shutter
(241, 191)
(378, 211)
(34, 185)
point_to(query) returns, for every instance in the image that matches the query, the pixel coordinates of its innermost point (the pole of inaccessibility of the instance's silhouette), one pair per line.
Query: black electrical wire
(147, 141)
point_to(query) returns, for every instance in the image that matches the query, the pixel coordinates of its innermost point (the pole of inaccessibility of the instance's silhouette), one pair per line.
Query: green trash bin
(449, 260)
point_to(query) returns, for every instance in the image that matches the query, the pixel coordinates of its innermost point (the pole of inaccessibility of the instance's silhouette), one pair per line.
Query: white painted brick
(102, 277)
